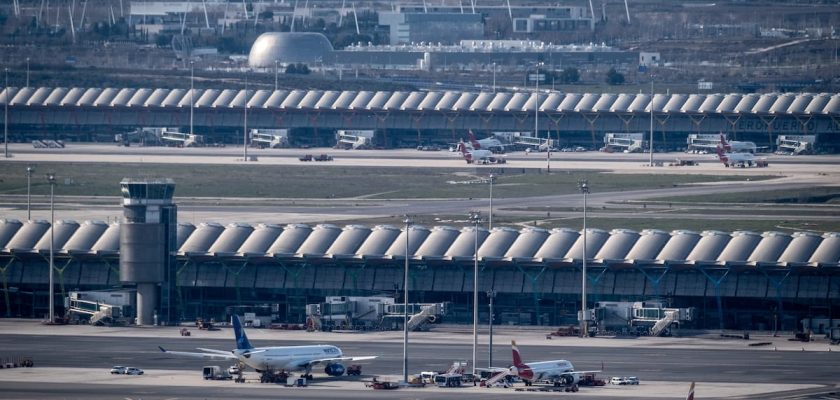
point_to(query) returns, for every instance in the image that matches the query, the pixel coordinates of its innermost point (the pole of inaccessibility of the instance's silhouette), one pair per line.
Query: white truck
(215, 372)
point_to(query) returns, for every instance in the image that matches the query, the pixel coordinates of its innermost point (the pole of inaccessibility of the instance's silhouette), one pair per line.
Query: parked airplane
(737, 147)
(558, 372)
(479, 156)
(288, 358)
(742, 160)
(491, 143)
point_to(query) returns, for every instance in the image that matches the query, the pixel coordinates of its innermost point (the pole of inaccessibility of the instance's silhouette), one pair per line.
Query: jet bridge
(172, 137)
(796, 144)
(354, 139)
(270, 138)
(365, 313)
(624, 142)
(638, 318)
(100, 308)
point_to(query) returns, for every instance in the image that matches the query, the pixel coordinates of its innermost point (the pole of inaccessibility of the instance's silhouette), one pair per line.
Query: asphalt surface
(797, 172)
(81, 357)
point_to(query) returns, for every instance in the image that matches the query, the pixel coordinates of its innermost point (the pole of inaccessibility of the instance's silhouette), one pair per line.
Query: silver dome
(288, 47)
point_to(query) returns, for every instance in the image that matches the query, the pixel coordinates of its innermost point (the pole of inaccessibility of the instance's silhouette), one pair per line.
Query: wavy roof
(619, 247)
(449, 101)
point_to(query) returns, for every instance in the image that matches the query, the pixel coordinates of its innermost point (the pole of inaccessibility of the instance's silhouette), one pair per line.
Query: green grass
(313, 182)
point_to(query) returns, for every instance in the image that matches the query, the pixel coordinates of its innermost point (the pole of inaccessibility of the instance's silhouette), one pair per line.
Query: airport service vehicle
(118, 369)
(557, 372)
(234, 369)
(215, 372)
(448, 380)
(479, 156)
(286, 358)
(624, 380)
(133, 371)
(323, 157)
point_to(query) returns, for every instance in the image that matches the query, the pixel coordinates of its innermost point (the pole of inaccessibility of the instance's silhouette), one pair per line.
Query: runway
(81, 356)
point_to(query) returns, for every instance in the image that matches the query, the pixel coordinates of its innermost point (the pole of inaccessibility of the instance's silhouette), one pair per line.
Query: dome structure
(288, 47)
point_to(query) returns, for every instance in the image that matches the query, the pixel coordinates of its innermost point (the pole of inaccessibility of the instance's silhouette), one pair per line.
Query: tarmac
(99, 347)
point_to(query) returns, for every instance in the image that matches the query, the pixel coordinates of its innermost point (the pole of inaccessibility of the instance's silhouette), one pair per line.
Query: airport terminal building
(409, 119)
(734, 280)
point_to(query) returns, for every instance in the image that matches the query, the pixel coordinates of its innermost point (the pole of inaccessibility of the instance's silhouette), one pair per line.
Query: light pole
(275, 75)
(490, 218)
(537, 116)
(29, 171)
(192, 89)
(245, 123)
(6, 115)
(494, 77)
(475, 217)
(491, 294)
(405, 303)
(584, 188)
(651, 120)
(51, 180)
(27, 71)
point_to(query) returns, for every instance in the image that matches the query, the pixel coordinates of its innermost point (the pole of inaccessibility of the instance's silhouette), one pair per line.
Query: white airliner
(287, 358)
(491, 143)
(558, 372)
(479, 156)
(742, 160)
(737, 147)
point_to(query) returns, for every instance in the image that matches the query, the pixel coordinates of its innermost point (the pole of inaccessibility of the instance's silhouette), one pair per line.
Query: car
(133, 371)
(118, 369)
(618, 380)
(233, 370)
(632, 380)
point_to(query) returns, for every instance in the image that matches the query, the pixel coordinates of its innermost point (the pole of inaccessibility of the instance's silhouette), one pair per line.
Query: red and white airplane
(479, 156)
(742, 160)
(490, 143)
(737, 147)
(558, 372)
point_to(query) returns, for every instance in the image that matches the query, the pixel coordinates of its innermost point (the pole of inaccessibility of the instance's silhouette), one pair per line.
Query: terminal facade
(733, 280)
(409, 119)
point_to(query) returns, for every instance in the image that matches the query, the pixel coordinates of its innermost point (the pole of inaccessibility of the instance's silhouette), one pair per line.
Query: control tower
(147, 243)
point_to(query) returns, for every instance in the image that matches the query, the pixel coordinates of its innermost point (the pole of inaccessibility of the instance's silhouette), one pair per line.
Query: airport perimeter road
(73, 362)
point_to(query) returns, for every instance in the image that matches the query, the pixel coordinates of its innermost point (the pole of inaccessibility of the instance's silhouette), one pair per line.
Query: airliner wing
(492, 369)
(211, 354)
(331, 359)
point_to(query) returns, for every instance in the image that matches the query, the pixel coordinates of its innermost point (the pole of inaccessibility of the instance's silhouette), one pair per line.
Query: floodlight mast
(584, 326)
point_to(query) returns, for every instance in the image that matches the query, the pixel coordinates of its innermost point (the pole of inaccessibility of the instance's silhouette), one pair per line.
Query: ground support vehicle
(215, 372)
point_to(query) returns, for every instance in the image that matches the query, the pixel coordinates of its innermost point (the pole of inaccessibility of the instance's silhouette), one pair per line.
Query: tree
(569, 75)
(301, 69)
(614, 77)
